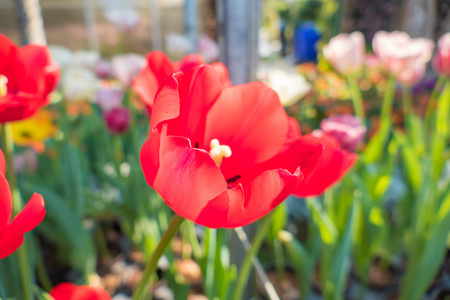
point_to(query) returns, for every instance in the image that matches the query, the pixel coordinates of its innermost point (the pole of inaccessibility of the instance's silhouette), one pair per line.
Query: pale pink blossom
(346, 52)
(109, 96)
(124, 18)
(347, 129)
(25, 161)
(411, 75)
(127, 66)
(399, 53)
(207, 48)
(103, 69)
(441, 61)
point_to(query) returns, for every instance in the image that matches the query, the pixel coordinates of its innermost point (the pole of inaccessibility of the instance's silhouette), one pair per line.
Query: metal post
(238, 26)
(89, 20)
(191, 23)
(31, 25)
(155, 25)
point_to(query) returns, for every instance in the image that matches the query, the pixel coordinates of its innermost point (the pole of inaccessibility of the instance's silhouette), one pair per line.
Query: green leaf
(301, 260)
(411, 161)
(64, 227)
(327, 229)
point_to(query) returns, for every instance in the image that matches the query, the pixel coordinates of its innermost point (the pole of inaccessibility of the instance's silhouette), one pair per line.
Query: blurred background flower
(35, 130)
(346, 52)
(347, 129)
(117, 120)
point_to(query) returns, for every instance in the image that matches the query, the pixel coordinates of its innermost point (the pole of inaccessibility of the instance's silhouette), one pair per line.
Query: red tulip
(70, 291)
(159, 67)
(11, 233)
(333, 165)
(27, 76)
(220, 155)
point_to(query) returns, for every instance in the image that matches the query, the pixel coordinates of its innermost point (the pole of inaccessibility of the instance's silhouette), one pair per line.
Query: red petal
(222, 71)
(152, 76)
(304, 152)
(69, 291)
(251, 121)
(2, 164)
(333, 165)
(189, 62)
(186, 178)
(25, 221)
(235, 208)
(197, 91)
(63, 291)
(5, 201)
(8, 53)
(167, 102)
(19, 106)
(294, 130)
(33, 62)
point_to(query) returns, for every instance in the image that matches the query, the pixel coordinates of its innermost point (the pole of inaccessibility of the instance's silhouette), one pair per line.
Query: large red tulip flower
(27, 76)
(159, 67)
(220, 155)
(70, 291)
(11, 233)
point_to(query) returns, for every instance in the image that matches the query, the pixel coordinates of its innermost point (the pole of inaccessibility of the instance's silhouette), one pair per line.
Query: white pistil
(3, 88)
(218, 151)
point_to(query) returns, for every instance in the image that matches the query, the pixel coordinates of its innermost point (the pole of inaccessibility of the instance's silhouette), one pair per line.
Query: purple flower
(347, 129)
(118, 120)
(103, 69)
(109, 97)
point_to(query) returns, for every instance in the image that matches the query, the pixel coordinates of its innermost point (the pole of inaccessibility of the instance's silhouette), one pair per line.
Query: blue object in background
(305, 38)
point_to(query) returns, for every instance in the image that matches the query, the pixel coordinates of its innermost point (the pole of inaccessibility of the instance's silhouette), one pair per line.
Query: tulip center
(3, 88)
(218, 151)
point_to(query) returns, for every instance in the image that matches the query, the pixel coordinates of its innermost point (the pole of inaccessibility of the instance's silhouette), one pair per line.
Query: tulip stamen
(218, 151)
(3, 87)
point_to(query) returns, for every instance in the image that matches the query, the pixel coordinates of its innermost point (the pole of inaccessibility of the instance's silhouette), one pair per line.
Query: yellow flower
(34, 131)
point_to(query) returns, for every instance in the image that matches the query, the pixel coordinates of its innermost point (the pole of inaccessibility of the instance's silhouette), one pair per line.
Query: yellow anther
(218, 151)
(3, 88)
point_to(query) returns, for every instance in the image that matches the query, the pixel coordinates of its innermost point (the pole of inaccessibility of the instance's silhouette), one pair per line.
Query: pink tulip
(401, 55)
(347, 129)
(411, 75)
(441, 62)
(127, 66)
(346, 52)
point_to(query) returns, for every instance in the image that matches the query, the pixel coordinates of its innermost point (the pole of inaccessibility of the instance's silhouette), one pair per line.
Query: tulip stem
(407, 105)
(24, 264)
(244, 271)
(388, 100)
(434, 95)
(141, 290)
(356, 98)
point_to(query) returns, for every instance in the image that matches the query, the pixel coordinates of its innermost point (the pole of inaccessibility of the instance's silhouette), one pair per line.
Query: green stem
(245, 269)
(197, 251)
(388, 99)
(24, 264)
(41, 272)
(434, 96)
(356, 98)
(210, 263)
(407, 102)
(150, 269)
